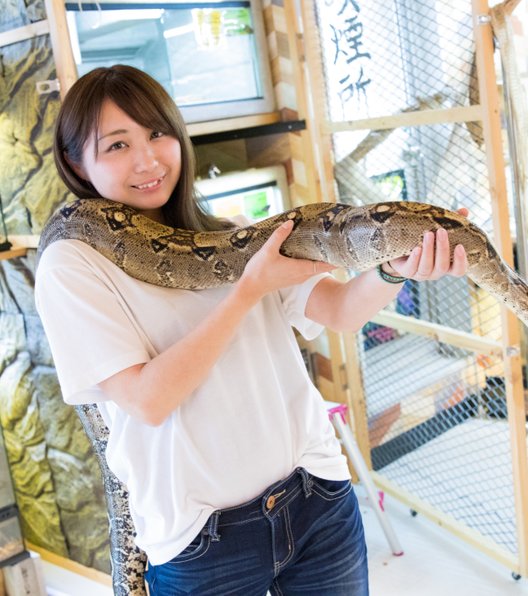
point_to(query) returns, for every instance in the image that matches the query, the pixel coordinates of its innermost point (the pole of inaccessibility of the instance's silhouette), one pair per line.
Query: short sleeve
(90, 332)
(294, 299)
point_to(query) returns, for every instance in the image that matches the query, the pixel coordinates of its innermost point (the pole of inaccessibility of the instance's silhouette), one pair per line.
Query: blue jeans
(302, 536)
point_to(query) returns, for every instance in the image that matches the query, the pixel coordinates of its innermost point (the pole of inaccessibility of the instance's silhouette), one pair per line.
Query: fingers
(436, 258)
(433, 260)
(460, 262)
(305, 266)
(427, 258)
(269, 262)
(280, 234)
(321, 267)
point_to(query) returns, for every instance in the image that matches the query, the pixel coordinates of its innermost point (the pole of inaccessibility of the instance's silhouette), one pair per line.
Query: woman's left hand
(432, 260)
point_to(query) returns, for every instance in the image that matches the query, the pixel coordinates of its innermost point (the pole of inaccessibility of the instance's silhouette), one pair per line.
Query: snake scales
(346, 236)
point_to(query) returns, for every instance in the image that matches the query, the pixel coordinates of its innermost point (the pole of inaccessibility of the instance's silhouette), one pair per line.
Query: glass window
(210, 56)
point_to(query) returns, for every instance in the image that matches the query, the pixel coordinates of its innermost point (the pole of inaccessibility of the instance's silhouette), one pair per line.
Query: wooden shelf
(196, 129)
(20, 244)
(13, 253)
(249, 132)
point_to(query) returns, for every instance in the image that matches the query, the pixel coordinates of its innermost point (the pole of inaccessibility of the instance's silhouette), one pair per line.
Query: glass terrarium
(210, 56)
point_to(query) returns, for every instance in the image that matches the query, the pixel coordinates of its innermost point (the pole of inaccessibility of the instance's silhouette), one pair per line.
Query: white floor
(434, 564)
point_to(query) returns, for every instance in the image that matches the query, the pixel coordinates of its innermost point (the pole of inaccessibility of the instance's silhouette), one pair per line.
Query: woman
(237, 483)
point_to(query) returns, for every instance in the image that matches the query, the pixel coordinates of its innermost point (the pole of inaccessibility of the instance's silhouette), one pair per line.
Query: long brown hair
(145, 100)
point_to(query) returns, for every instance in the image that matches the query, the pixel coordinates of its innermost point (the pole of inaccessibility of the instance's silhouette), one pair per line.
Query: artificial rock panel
(56, 478)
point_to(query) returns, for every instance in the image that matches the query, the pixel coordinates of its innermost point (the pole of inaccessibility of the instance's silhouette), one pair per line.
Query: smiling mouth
(148, 185)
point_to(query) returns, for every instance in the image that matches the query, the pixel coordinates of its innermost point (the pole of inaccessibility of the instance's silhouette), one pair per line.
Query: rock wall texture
(55, 474)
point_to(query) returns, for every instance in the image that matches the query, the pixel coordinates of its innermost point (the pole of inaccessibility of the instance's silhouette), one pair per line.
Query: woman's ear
(76, 167)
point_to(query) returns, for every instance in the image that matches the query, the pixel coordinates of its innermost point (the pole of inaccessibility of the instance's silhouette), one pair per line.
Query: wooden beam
(20, 245)
(417, 118)
(355, 395)
(70, 565)
(23, 33)
(196, 129)
(346, 368)
(316, 104)
(305, 156)
(448, 335)
(61, 45)
(13, 253)
(492, 132)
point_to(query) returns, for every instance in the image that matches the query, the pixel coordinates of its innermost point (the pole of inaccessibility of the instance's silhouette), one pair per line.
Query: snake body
(343, 235)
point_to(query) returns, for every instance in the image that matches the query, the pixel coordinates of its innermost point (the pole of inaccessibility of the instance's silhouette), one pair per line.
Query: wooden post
(355, 396)
(316, 105)
(336, 362)
(307, 144)
(489, 99)
(61, 45)
(343, 351)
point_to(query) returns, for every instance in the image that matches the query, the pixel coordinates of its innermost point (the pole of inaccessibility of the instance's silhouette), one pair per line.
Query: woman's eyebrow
(120, 131)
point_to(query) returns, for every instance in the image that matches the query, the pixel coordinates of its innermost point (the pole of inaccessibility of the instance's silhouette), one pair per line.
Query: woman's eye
(116, 145)
(156, 134)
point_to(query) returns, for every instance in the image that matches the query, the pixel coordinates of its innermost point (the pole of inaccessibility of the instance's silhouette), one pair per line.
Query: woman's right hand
(268, 270)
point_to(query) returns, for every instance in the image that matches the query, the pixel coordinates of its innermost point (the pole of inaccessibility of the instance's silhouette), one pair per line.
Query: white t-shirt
(255, 418)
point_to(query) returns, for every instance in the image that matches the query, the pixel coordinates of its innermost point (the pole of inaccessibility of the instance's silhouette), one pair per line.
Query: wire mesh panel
(437, 417)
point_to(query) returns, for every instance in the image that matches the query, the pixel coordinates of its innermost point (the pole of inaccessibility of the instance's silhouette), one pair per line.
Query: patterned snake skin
(128, 561)
(347, 236)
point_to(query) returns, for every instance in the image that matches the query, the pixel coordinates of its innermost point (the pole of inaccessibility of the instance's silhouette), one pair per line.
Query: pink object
(340, 409)
(337, 414)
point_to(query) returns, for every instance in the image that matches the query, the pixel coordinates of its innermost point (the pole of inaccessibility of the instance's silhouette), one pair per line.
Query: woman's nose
(145, 159)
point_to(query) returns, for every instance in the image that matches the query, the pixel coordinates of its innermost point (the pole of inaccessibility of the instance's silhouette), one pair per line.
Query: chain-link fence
(437, 417)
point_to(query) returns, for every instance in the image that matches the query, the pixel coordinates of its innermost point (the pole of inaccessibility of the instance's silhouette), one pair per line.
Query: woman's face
(129, 163)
